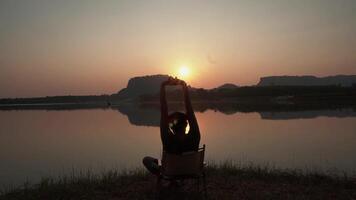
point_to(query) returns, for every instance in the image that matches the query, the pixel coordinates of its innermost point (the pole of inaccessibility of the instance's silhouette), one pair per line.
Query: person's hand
(183, 83)
(167, 82)
(177, 81)
(164, 83)
(173, 81)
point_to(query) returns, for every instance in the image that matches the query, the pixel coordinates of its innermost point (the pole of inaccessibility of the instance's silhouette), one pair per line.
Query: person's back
(182, 144)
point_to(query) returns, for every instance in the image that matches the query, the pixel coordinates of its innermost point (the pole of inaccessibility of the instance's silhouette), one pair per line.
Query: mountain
(142, 85)
(339, 80)
(227, 86)
(288, 89)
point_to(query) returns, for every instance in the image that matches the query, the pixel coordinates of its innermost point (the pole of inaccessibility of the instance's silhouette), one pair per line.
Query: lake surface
(40, 143)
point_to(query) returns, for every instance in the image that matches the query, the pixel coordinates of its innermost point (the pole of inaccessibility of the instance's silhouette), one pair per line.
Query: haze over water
(40, 143)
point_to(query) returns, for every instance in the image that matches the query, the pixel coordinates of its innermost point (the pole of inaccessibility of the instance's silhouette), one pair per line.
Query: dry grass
(224, 181)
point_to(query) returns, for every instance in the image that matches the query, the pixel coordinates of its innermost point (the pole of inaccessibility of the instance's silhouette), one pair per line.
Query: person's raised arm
(194, 127)
(164, 112)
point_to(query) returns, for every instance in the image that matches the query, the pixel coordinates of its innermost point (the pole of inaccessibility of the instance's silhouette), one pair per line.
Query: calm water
(37, 143)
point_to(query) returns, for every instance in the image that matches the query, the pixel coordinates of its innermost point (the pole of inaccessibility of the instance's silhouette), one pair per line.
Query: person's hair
(177, 122)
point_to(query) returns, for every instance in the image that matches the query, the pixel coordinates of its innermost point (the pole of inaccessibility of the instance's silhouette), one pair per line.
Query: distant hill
(339, 80)
(227, 86)
(142, 85)
(282, 90)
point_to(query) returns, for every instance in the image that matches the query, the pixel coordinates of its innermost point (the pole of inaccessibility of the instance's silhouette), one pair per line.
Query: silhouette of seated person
(175, 136)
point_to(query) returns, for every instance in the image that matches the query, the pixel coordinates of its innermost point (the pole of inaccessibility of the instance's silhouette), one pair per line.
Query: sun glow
(184, 72)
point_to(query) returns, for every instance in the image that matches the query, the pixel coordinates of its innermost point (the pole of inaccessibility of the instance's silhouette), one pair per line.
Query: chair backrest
(188, 163)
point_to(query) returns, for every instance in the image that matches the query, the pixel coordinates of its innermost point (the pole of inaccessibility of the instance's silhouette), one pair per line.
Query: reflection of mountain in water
(141, 116)
(308, 114)
(149, 114)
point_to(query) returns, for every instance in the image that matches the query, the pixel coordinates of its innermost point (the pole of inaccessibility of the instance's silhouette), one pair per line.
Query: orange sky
(94, 47)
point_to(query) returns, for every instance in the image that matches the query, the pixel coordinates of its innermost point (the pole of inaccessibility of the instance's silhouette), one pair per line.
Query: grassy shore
(224, 181)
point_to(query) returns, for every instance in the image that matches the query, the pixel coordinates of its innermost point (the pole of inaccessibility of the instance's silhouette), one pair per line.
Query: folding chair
(189, 165)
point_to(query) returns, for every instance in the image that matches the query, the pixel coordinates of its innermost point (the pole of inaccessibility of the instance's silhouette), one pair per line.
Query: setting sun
(183, 72)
